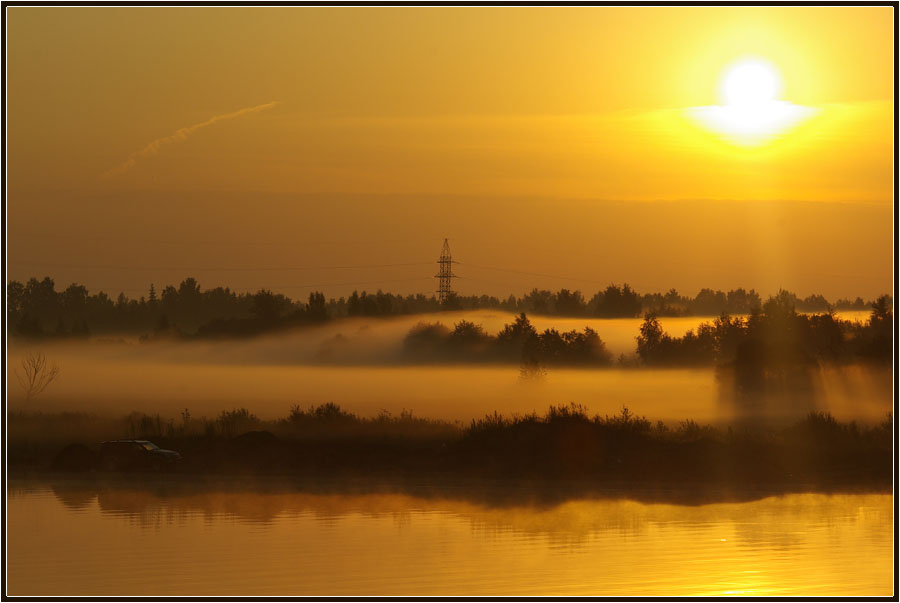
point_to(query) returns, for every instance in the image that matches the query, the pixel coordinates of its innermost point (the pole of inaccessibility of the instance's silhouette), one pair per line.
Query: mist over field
(456, 301)
(359, 364)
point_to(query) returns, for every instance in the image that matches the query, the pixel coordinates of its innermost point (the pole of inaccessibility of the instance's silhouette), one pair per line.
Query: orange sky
(262, 147)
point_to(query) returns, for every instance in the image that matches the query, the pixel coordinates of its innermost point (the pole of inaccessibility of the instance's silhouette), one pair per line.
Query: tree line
(773, 337)
(774, 342)
(36, 309)
(773, 355)
(518, 341)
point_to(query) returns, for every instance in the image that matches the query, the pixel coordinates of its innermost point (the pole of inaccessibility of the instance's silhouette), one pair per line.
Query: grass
(565, 443)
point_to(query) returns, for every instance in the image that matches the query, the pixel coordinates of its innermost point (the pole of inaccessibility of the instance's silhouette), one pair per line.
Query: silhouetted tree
(617, 302)
(651, 340)
(741, 302)
(268, 307)
(729, 332)
(518, 331)
(539, 301)
(35, 374)
(877, 336)
(353, 305)
(569, 303)
(468, 337)
(315, 307)
(451, 302)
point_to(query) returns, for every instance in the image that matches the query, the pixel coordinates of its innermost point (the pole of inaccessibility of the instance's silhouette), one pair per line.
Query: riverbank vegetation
(566, 442)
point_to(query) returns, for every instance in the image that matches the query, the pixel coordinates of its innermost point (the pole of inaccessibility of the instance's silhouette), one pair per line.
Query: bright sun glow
(751, 113)
(750, 82)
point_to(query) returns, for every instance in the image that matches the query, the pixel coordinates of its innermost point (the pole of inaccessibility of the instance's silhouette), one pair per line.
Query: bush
(237, 421)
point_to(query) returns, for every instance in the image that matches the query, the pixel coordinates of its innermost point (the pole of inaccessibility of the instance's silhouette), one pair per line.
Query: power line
(208, 242)
(542, 274)
(351, 283)
(221, 269)
(288, 287)
(705, 268)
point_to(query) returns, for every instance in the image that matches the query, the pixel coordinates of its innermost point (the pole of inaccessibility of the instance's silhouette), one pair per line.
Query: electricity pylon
(445, 274)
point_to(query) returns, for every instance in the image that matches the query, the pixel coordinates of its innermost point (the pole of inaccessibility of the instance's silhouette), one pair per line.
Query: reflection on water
(82, 539)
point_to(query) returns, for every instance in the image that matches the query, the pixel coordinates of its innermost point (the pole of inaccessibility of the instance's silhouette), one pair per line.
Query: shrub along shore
(817, 453)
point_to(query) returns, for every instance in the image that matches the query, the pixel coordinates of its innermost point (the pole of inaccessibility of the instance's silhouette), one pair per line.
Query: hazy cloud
(179, 136)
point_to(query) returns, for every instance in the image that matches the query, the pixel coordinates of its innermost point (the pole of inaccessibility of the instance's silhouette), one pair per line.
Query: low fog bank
(349, 341)
(356, 363)
(447, 393)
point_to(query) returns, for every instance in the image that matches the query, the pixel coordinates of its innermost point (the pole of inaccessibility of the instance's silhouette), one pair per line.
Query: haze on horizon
(334, 148)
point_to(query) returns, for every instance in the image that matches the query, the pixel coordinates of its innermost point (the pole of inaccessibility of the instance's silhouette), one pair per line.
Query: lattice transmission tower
(445, 273)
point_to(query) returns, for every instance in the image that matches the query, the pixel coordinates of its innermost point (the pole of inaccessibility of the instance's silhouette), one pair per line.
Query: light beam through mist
(180, 136)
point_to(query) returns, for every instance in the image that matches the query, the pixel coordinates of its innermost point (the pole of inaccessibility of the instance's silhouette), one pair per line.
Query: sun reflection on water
(289, 542)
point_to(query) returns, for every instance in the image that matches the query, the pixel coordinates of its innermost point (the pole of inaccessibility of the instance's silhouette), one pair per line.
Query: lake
(99, 538)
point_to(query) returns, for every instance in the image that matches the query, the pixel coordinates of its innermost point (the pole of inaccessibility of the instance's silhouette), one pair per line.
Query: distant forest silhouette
(36, 309)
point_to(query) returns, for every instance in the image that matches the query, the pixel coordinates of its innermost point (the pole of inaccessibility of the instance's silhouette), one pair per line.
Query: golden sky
(262, 146)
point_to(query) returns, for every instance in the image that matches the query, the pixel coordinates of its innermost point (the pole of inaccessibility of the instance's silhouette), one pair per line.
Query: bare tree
(36, 374)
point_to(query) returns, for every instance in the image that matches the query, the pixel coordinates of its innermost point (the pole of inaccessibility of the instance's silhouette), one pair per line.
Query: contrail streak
(179, 136)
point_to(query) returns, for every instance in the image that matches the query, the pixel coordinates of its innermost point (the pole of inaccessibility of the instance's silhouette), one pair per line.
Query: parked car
(135, 455)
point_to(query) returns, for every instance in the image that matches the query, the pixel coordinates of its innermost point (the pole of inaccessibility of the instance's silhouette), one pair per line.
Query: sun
(750, 82)
(751, 113)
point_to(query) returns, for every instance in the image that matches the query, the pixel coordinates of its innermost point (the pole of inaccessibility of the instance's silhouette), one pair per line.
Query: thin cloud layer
(179, 136)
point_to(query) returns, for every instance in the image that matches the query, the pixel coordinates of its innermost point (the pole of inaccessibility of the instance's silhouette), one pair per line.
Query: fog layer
(356, 364)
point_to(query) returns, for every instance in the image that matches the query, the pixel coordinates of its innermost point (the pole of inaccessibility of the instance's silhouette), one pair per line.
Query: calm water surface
(83, 539)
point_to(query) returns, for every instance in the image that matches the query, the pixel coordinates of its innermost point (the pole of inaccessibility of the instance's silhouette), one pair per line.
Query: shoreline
(564, 450)
(499, 492)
